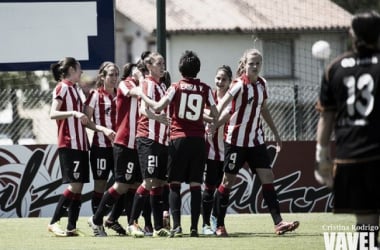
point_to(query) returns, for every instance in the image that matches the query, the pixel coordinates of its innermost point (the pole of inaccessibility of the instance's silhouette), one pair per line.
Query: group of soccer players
(149, 136)
(152, 137)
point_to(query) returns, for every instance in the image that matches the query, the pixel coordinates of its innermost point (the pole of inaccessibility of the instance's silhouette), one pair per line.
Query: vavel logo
(359, 237)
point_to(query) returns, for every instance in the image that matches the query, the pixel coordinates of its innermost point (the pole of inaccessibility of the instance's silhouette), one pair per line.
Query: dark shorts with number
(127, 168)
(187, 159)
(356, 188)
(213, 172)
(102, 162)
(235, 157)
(153, 158)
(74, 165)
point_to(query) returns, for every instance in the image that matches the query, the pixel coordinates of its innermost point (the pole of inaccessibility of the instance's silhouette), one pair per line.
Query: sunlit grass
(247, 231)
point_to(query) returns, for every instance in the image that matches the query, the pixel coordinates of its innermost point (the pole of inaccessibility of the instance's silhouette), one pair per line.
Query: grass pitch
(246, 231)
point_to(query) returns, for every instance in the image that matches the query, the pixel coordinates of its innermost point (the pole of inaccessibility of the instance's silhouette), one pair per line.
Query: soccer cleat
(284, 227)
(166, 220)
(163, 232)
(194, 233)
(176, 232)
(221, 231)
(56, 229)
(98, 230)
(74, 232)
(213, 221)
(115, 225)
(206, 230)
(148, 230)
(135, 231)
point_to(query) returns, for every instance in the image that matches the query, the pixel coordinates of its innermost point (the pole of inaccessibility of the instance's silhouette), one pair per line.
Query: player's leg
(259, 161)
(233, 161)
(102, 163)
(176, 173)
(210, 183)
(196, 157)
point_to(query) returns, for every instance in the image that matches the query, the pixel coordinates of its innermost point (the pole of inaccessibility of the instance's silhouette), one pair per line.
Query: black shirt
(350, 88)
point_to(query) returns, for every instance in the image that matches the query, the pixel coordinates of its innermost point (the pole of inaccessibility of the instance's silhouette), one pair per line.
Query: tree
(354, 6)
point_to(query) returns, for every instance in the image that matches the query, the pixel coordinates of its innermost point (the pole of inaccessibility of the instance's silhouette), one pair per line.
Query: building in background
(219, 31)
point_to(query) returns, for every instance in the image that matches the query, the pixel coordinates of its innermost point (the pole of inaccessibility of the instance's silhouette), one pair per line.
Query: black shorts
(74, 165)
(235, 157)
(187, 159)
(356, 188)
(153, 158)
(127, 168)
(213, 172)
(102, 162)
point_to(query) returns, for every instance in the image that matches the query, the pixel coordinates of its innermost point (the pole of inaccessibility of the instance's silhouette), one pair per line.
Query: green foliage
(24, 79)
(354, 6)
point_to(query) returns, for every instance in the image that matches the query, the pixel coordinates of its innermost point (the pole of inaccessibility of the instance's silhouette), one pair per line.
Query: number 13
(365, 86)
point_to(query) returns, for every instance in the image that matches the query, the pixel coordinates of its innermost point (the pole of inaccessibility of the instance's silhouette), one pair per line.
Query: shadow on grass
(263, 235)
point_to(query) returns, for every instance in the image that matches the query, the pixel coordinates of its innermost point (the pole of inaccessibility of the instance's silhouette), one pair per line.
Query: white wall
(213, 51)
(125, 29)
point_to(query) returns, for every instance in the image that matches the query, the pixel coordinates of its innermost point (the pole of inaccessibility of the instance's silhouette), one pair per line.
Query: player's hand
(210, 129)
(163, 118)
(81, 116)
(135, 92)
(323, 173)
(109, 133)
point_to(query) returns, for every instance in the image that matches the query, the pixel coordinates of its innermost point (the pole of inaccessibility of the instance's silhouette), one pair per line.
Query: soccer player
(215, 153)
(244, 140)
(101, 107)
(152, 141)
(349, 104)
(73, 144)
(126, 164)
(187, 147)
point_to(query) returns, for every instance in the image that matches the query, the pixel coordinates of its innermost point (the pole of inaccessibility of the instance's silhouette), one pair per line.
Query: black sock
(109, 198)
(128, 202)
(196, 198)
(62, 206)
(117, 209)
(207, 203)
(138, 204)
(222, 199)
(156, 205)
(175, 203)
(73, 212)
(95, 201)
(270, 197)
(165, 197)
(147, 212)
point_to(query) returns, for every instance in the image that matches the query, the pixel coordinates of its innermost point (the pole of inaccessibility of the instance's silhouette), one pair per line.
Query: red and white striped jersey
(150, 128)
(215, 143)
(244, 128)
(71, 133)
(188, 98)
(104, 106)
(127, 114)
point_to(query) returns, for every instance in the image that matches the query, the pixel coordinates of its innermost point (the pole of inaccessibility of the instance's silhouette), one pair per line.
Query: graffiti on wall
(30, 183)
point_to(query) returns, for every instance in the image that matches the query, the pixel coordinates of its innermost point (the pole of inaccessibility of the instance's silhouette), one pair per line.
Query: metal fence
(24, 114)
(293, 111)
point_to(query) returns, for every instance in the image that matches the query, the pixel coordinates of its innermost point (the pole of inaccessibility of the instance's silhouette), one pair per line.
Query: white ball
(321, 50)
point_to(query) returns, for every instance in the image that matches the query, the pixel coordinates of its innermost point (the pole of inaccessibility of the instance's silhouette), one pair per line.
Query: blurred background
(219, 32)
